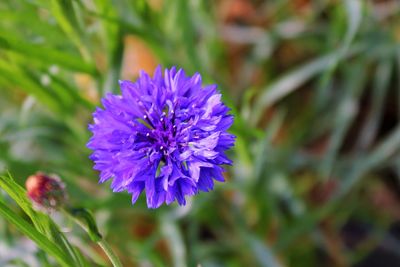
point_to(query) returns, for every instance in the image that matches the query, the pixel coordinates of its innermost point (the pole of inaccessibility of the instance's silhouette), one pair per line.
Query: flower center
(161, 133)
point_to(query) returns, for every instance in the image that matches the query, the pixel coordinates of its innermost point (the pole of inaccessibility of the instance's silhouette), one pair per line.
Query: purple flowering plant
(166, 135)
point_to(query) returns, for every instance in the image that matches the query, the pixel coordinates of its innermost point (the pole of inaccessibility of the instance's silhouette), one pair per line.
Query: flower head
(47, 192)
(166, 135)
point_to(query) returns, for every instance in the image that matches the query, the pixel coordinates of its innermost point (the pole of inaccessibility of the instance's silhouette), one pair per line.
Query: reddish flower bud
(45, 191)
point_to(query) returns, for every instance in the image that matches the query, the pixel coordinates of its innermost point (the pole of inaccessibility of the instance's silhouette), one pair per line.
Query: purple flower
(166, 135)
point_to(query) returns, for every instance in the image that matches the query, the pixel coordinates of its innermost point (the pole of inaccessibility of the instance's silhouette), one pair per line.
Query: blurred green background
(314, 86)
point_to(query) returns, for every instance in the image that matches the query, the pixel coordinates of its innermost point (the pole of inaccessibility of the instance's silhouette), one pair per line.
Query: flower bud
(47, 192)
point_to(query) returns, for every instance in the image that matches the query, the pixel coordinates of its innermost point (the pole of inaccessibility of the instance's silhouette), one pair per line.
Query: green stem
(93, 233)
(110, 254)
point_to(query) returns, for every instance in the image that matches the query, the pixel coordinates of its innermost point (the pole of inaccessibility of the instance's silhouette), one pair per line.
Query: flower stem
(84, 219)
(110, 254)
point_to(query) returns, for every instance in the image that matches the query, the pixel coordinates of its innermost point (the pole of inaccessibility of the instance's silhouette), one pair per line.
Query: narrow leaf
(41, 240)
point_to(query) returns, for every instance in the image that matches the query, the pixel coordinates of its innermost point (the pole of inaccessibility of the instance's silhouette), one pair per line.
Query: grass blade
(41, 240)
(174, 237)
(42, 222)
(292, 81)
(44, 54)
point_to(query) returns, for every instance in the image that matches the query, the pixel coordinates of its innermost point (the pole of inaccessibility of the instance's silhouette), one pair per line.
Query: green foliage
(314, 89)
(44, 232)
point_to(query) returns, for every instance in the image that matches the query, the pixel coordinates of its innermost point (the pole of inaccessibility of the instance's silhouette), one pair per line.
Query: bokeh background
(314, 86)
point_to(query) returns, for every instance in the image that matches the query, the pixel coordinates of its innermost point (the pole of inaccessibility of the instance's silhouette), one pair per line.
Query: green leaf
(262, 252)
(175, 240)
(41, 240)
(86, 220)
(16, 77)
(380, 154)
(344, 114)
(44, 54)
(354, 16)
(18, 194)
(114, 71)
(381, 87)
(353, 9)
(292, 81)
(63, 11)
(41, 221)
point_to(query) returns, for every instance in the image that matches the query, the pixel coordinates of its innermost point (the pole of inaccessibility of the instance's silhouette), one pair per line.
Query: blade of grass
(41, 240)
(293, 80)
(41, 221)
(175, 241)
(262, 252)
(270, 132)
(380, 154)
(188, 34)
(386, 149)
(63, 11)
(344, 115)
(63, 87)
(47, 55)
(397, 58)
(114, 71)
(129, 22)
(380, 88)
(353, 9)
(16, 77)
(18, 194)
